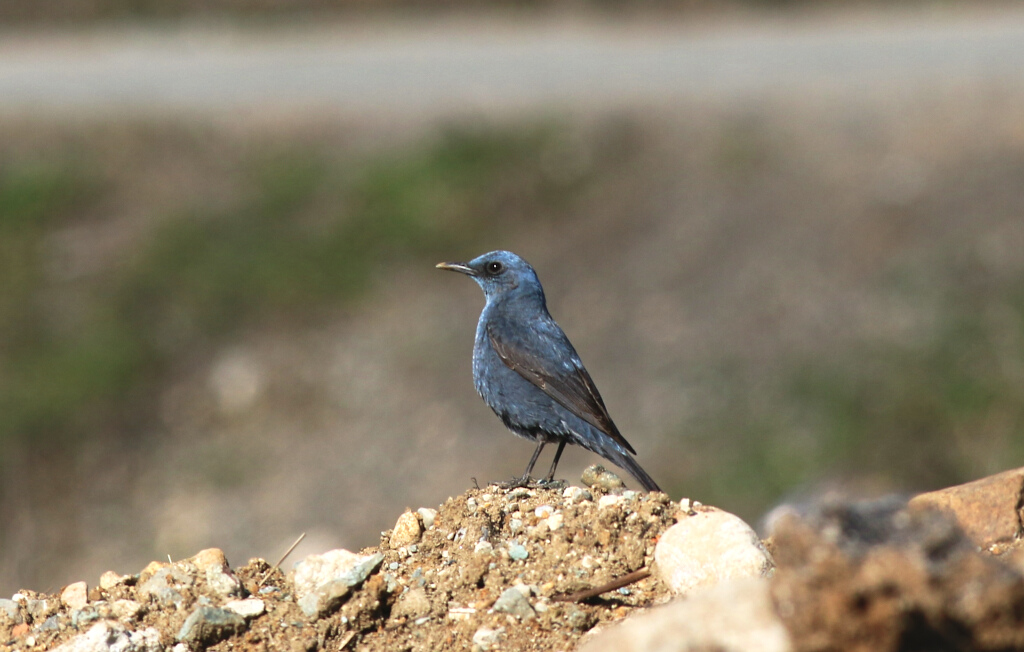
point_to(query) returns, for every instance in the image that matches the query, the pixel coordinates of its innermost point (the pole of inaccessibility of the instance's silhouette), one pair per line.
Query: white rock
(126, 609)
(428, 516)
(483, 547)
(486, 638)
(574, 495)
(250, 608)
(110, 636)
(219, 577)
(323, 581)
(702, 550)
(609, 501)
(75, 596)
(736, 616)
(555, 521)
(110, 579)
(544, 511)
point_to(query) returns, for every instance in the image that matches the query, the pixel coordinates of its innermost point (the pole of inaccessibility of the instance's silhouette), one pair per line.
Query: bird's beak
(457, 267)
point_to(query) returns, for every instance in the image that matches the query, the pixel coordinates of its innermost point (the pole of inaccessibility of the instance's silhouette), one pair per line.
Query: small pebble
(126, 609)
(37, 609)
(75, 596)
(110, 579)
(249, 608)
(609, 501)
(520, 492)
(407, 530)
(596, 475)
(322, 581)
(393, 565)
(555, 522)
(11, 609)
(518, 552)
(483, 547)
(208, 625)
(578, 619)
(544, 511)
(513, 602)
(515, 525)
(428, 516)
(575, 495)
(82, 617)
(51, 624)
(486, 638)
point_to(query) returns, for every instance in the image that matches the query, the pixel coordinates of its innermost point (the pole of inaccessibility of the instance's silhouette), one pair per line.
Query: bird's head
(499, 273)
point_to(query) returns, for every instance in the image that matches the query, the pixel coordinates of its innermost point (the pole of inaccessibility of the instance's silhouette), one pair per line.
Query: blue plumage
(528, 372)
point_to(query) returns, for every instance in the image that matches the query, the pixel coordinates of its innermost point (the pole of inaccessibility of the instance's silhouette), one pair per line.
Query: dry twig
(586, 594)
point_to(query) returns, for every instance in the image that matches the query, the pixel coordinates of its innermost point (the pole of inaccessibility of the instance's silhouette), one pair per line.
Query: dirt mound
(486, 570)
(538, 568)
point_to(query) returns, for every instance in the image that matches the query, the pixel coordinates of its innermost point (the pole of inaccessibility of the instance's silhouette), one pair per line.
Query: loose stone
(75, 596)
(407, 530)
(209, 625)
(512, 601)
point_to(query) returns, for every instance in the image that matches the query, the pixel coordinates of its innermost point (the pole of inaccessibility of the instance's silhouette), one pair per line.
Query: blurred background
(787, 239)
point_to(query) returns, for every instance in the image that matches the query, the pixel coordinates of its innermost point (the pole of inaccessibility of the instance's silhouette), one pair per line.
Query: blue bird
(528, 372)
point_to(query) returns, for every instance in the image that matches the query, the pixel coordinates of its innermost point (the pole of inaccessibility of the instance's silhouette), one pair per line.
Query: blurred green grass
(879, 415)
(310, 234)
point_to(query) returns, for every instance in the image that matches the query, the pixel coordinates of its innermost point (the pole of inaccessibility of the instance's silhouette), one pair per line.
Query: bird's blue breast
(523, 407)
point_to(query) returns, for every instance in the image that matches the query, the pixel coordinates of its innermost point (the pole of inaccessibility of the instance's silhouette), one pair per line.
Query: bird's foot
(551, 483)
(515, 483)
(529, 483)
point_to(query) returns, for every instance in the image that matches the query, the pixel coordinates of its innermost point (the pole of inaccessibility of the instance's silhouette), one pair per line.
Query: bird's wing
(548, 361)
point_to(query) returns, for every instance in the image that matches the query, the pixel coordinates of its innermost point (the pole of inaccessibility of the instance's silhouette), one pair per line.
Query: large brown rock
(874, 577)
(988, 510)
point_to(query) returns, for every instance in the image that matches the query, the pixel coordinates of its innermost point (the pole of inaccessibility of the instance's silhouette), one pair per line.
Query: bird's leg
(525, 480)
(554, 462)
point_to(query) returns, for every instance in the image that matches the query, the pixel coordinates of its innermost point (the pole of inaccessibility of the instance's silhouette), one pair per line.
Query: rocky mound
(486, 570)
(551, 569)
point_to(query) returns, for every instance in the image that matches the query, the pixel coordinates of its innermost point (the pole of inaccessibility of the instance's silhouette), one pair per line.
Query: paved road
(451, 66)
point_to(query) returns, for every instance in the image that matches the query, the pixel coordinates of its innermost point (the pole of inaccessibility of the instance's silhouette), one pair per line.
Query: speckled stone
(706, 548)
(407, 530)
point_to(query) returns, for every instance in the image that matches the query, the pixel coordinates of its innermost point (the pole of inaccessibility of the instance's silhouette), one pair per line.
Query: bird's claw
(529, 483)
(551, 483)
(515, 483)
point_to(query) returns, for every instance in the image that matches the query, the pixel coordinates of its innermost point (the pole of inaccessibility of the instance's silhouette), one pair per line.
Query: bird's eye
(494, 268)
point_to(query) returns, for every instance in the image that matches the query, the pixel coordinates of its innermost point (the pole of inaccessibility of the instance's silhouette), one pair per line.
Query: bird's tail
(626, 461)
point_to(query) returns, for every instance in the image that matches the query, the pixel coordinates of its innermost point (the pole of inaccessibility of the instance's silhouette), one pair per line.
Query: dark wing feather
(573, 388)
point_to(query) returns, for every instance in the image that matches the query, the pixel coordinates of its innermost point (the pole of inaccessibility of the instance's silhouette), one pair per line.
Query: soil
(849, 576)
(438, 592)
